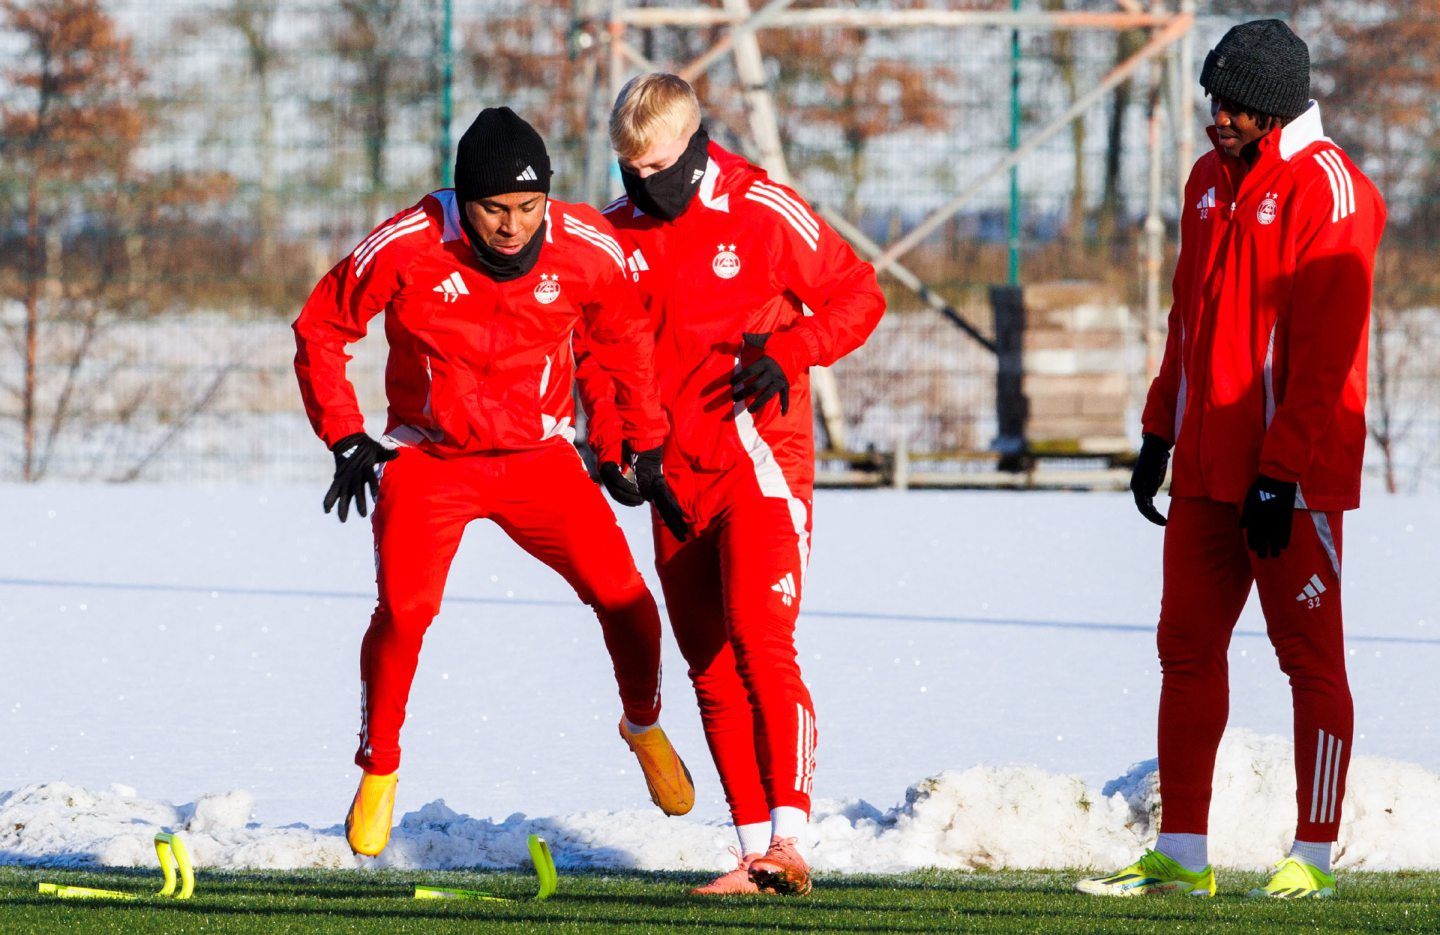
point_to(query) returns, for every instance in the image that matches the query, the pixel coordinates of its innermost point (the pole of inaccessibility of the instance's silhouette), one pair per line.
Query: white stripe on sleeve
(789, 213)
(379, 245)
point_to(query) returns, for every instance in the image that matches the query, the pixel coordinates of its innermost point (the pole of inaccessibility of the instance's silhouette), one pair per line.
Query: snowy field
(983, 667)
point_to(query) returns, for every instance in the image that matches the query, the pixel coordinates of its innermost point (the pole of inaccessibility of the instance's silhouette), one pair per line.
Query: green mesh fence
(165, 209)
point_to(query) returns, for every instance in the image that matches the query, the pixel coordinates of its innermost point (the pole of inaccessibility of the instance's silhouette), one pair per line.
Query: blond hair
(652, 108)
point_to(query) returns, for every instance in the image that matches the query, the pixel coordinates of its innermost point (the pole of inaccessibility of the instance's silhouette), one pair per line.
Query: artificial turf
(313, 901)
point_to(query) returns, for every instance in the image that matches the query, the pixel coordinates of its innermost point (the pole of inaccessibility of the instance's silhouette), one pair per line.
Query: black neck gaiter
(667, 193)
(498, 266)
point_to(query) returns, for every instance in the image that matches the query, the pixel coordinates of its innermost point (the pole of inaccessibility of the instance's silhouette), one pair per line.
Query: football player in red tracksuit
(1261, 393)
(724, 259)
(482, 287)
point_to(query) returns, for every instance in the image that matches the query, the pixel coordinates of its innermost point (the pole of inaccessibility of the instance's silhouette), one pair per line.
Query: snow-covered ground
(983, 666)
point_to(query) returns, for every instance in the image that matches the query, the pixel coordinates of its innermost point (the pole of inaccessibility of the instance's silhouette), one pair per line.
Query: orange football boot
(669, 781)
(781, 869)
(736, 882)
(367, 827)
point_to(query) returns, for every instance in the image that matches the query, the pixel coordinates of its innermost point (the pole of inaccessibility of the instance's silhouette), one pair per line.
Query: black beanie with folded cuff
(1262, 66)
(499, 154)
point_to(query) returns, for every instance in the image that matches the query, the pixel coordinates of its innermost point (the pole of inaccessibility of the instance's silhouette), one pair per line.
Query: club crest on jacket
(726, 263)
(1268, 209)
(547, 290)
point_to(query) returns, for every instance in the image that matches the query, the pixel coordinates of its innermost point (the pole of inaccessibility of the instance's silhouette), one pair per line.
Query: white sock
(1314, 853)
(786, 821)
(1190, 851)
(754, 839)
(634, 728)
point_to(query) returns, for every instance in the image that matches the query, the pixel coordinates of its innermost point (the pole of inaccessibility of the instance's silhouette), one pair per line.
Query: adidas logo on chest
(452, 287)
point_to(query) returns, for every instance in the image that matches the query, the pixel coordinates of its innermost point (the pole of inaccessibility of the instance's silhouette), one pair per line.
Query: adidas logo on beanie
(500, 153)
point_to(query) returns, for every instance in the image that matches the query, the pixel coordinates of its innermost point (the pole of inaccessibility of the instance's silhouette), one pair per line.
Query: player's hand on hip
(1267, 515)
(762, 380)
(620, 482)
(1148, 475)
(650, 481)
(357, 460)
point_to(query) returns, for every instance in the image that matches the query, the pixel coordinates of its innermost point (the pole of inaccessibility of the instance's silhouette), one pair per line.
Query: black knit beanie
(1260, 65)
(500, 153)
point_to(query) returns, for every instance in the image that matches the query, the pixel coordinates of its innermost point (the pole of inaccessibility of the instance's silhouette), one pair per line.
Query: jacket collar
(706, 194)
(1301, 132)
(450, 211)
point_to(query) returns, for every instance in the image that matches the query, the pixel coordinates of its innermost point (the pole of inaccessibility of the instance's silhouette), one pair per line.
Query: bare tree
(1062, 45)
(521, 57)
(254, 20)
(845, 80)
(98, 234)
(389, 47)
(1111, 226)
(75, 120)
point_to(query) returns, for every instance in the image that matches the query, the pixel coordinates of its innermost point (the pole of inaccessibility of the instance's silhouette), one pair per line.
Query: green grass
(930, 901)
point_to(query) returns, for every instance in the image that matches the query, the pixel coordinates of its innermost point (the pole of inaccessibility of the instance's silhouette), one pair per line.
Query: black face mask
(497, 265)
(666, 194)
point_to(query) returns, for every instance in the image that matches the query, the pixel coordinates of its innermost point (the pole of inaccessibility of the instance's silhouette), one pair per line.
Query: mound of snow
(986, 816)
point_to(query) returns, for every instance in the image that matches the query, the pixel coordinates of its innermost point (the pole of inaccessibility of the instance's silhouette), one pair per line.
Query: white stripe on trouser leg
(1325, 786)
(799, 747)
(771, 478)
(1327, 789)
(364, 719)
(1335, 781)
(1327, 539)
(804, 749)
(1322, 530)
(1315, 786)
(809, 752)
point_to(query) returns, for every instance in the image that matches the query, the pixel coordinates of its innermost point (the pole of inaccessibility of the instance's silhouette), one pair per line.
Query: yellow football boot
(1295, 879)
(367, 827)
(669, 781)
(1153, 874)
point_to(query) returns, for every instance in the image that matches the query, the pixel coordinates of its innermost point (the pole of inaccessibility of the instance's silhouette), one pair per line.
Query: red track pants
(1208, 573)
(546, 502)
(733, 594)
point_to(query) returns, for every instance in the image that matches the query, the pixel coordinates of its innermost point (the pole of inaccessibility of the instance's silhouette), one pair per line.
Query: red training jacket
(477, 365)
(1265, 362)
(745, 256)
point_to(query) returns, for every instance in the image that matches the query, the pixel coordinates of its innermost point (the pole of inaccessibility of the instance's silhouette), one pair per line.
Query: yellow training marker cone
(81, 892)
(170, 848)
(544, 869)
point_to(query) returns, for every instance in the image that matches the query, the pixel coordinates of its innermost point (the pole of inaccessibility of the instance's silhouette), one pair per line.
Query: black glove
(356, 457)
(1266, 516)
(650, 481)
(1148, 475)
(620, 483)
(762, 379)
